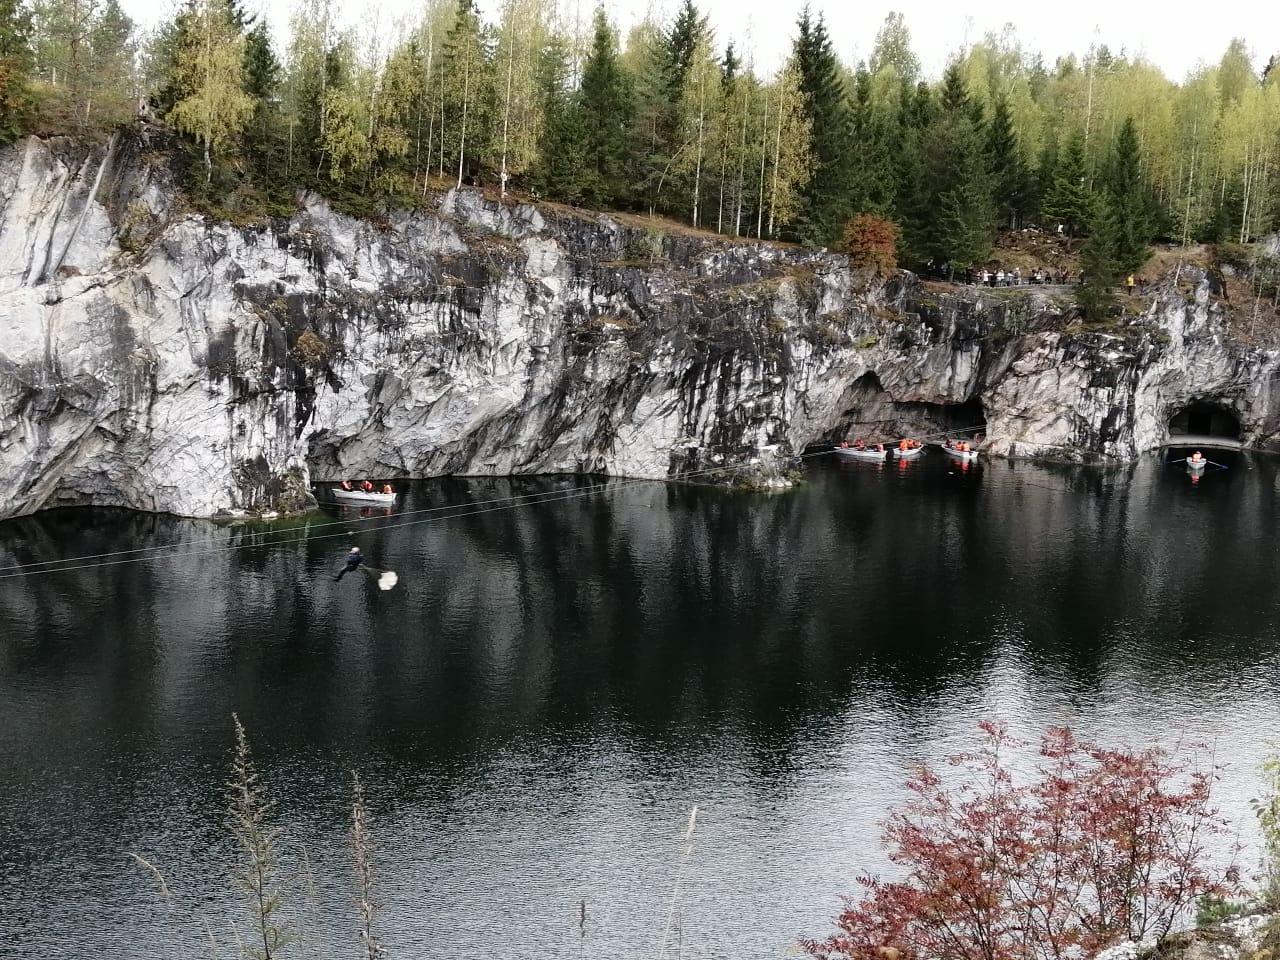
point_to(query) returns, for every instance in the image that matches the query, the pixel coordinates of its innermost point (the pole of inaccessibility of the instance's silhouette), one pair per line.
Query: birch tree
(467, 92)
(791, 164)
(698, 116)
(306, 83)
(523, 33)
(209, 70)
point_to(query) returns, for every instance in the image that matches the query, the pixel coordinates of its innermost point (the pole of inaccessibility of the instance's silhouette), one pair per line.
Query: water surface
(537, 707)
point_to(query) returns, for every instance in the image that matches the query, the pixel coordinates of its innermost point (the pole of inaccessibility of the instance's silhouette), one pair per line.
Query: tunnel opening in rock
(871, 413)
(1202, 418)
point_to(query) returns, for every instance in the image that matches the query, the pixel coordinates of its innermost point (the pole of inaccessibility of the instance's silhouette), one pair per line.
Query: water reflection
(551, 687)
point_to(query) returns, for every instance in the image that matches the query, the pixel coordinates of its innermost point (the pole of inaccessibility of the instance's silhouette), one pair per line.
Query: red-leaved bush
(1097, 846)
(872, 241)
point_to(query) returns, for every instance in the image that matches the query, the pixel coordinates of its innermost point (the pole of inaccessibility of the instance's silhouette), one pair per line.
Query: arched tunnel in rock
(871, 414)
(1204, 418)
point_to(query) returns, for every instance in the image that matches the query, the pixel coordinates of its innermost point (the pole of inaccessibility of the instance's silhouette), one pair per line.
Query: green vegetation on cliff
(671, 121)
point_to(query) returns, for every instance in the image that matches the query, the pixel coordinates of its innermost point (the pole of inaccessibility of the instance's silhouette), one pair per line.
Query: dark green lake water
(538, 705)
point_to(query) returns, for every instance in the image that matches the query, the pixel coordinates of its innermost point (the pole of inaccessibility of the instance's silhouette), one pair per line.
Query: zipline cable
(163, 552)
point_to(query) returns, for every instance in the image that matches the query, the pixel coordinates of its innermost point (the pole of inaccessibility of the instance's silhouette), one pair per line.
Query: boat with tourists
(961, 450)
(908, 449)
(860, 451)
(365, 494)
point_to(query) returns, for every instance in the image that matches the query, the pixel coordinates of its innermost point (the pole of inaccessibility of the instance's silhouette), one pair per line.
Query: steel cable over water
(177, 552)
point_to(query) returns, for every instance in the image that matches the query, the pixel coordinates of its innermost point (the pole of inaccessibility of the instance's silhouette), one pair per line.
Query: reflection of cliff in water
(663, 609)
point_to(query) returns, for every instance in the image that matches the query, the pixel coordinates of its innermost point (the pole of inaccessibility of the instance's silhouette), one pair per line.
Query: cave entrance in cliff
(872, 414)
(969, 415)
(1201, 418)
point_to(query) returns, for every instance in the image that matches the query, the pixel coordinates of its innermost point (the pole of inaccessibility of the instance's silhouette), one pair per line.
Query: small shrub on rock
(872, 241)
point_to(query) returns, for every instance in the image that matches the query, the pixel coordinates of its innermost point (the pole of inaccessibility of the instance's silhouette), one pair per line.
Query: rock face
(153, 359)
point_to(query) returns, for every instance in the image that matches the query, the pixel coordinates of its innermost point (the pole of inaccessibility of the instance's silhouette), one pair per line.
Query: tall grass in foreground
(271, 928)
(371, 945)
(257, 874)
(679, 880)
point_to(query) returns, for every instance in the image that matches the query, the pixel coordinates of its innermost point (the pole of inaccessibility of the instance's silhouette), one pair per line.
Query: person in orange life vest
(367, 486)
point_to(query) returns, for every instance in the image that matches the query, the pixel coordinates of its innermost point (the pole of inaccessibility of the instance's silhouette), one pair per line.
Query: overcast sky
(1174, 34)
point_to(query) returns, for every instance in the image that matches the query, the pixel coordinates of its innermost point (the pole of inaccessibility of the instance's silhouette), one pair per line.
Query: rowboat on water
(853, 453)
(909, 454)
(964, 456)
(359, 496)
(1196, 466)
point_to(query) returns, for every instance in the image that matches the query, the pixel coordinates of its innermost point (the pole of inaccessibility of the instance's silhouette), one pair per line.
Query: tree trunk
(697, 174)
(506, 114)
(764, 153)
(462, 141)
(741, 186)
(777, 154)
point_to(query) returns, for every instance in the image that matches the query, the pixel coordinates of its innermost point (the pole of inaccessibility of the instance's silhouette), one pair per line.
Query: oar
(1180, 460)
(1221, 466)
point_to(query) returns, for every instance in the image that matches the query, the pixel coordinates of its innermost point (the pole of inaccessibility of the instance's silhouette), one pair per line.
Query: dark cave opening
(1202, 418)
(872, 414)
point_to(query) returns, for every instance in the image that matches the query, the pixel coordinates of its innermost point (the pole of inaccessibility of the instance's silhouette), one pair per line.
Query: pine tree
(874, 141)
(957, 98)
(1042, 184)
(605, 114)
(688, 31)
(1127, 196)
(15, 67)
(955, 92)
(1005, 167)
(824, 205)
(1099, 260)
(665, 77)
(111, 65)
(208, 70)
(262, 81)
(561, 169)
(912, 200)
(1069, 201)
(959, 192)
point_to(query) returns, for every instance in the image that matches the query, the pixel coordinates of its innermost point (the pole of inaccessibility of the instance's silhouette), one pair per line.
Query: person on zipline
(354, 559)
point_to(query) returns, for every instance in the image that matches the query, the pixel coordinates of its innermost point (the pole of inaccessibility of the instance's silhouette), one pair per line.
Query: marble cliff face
(154, 359)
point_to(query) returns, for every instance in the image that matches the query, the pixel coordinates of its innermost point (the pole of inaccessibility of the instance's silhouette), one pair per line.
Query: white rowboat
(851, 453)
(907, 454)
(1195, 466)
(964, 456)
(359, 496)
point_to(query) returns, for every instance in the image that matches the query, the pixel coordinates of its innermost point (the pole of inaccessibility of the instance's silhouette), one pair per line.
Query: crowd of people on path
(1000, 277)
(1016, 277)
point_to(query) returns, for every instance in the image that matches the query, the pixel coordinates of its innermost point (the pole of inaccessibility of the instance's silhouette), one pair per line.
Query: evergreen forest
(669, 120)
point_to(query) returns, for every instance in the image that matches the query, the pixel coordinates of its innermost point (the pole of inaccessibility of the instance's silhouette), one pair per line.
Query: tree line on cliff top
(672, 121)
